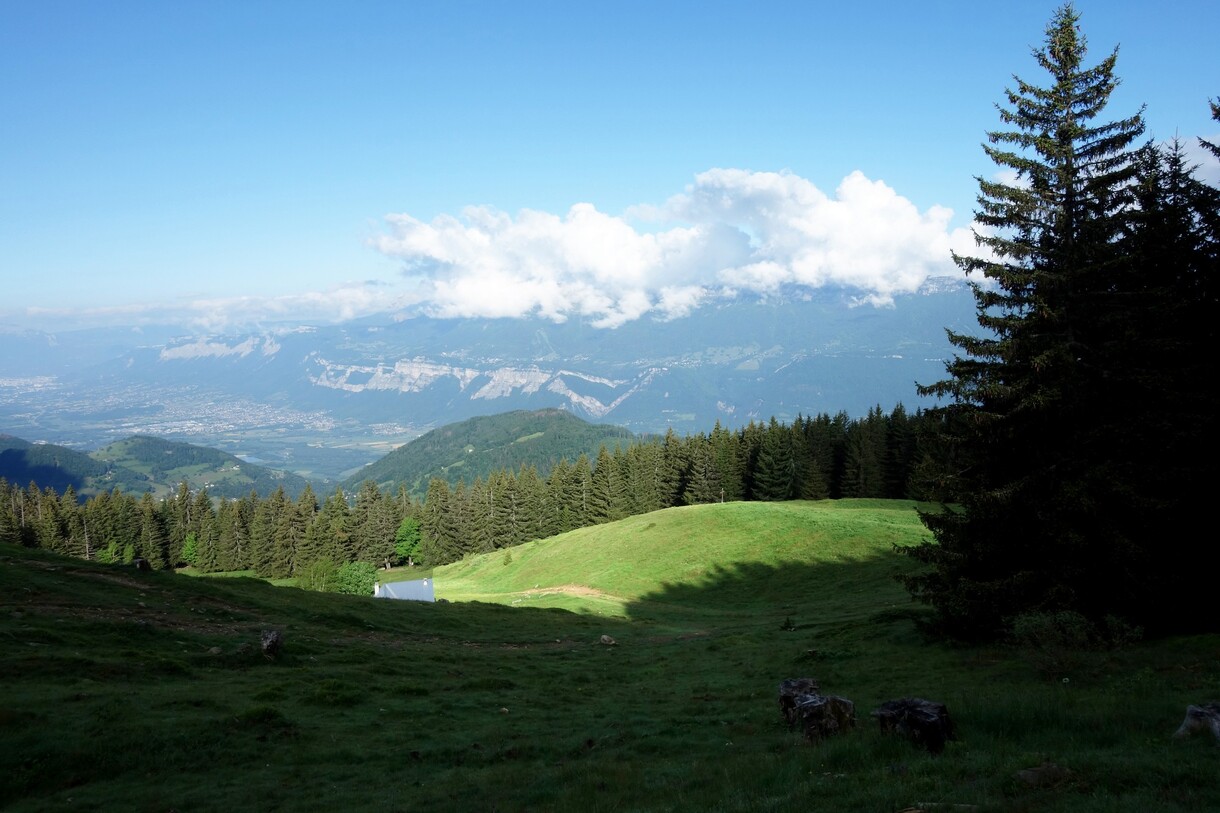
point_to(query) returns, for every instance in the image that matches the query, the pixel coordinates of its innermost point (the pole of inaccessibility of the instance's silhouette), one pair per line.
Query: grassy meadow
(122, 690)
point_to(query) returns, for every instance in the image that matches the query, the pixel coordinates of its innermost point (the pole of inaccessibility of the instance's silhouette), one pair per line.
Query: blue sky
(223, 162)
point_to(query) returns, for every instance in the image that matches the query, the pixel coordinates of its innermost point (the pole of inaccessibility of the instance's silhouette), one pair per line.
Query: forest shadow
(19, 469)
(842, 590)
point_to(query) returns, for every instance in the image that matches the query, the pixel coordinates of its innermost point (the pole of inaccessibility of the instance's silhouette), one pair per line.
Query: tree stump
(921, 721)
(789, 691)
(272, 641)
(820, 716)
(1200, 718)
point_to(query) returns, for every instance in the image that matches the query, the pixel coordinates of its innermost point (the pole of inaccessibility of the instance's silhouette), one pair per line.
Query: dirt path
(570, 590)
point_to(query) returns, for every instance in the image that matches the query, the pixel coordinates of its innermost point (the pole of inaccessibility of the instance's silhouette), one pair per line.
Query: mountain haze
(325, 400)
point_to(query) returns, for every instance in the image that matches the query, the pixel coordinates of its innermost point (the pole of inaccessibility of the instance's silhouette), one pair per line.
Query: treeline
(811, 458)
(879, 455)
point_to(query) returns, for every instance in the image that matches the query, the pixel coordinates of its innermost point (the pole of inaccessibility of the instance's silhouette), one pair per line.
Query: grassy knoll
(715, 561)
(135, 691)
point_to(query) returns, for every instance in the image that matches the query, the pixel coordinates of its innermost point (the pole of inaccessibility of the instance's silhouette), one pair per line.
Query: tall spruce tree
(1029, 530)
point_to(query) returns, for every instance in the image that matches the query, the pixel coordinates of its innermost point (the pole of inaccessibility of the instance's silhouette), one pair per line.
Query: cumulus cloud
(728, 232)
(731, 230)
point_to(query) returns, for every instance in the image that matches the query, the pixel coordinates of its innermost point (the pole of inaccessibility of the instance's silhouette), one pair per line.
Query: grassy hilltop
(122, 690)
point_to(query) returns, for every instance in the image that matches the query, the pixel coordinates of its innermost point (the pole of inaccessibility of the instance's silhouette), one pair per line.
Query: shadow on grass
(794, 594)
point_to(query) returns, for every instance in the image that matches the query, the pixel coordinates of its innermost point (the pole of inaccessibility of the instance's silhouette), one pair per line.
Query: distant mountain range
(325, 400)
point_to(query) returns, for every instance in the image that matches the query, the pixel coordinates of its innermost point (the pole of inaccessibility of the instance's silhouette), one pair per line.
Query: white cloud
(222, 313)
(731, 229)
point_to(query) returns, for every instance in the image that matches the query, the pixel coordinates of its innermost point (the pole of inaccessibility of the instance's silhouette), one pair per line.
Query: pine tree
(72, 516)
(605, 490)
(482, 524)
(328, 536)
(1214, 149)
(263, 527)
(557, 500)
(901, 447)
(49, 527)
(153, 543)
(675, 468)
(363, 527)
(580, 508)
(703, 478)
(228, 549)
(730, 465)
(10, 525)
(530, 490)
(864, 472)
(178, 520)
(1025, 535)
(210, 557)
(438, 543)
(243, 534)
(775, 470)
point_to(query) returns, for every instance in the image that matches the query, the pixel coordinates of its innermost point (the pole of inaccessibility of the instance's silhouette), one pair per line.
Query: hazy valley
(324, 400)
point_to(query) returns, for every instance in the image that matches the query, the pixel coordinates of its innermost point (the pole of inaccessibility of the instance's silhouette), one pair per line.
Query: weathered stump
(789, 691)
(1200, 718)
(820, 716)
(921, 721)
(272, 641)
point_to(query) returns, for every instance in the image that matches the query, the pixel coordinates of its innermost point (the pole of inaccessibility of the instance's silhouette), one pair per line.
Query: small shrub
(320, 575)
(356, 579)
(1055, 642)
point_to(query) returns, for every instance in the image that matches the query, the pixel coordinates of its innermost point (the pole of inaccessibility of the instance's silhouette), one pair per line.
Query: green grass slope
(479, 446)
(122, 690)
(745, 557)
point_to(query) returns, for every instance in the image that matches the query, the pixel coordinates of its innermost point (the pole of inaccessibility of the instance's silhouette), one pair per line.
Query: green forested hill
(479, 446)
(167, 463)
(58, 467)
